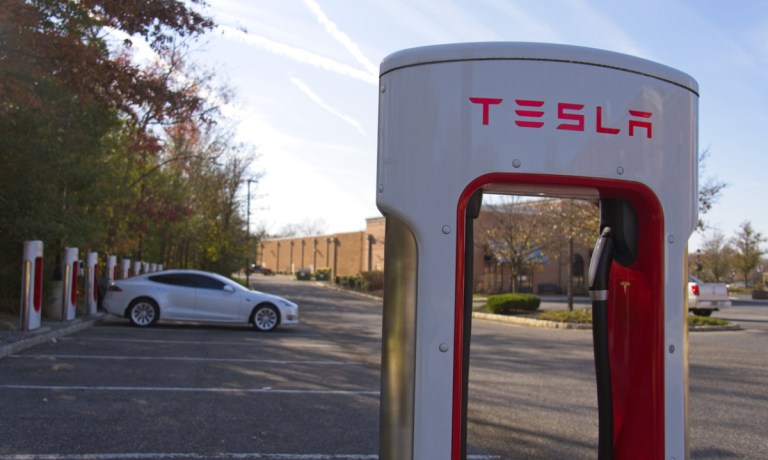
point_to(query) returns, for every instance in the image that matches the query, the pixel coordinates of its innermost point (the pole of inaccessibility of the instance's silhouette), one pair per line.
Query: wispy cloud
(299, 55)
(341, 37)
(602, 30)
(319, 101)
(523, 25)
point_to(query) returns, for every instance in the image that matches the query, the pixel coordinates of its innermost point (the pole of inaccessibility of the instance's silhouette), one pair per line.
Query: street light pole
(248, 237)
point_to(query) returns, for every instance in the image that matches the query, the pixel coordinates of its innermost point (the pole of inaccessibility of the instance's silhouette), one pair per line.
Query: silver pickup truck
(704, 298)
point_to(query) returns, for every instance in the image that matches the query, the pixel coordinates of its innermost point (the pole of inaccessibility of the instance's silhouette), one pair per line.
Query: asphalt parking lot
(311, 391)
(187, 391)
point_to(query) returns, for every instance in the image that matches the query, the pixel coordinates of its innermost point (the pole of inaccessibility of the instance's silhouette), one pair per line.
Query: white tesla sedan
(193, 295)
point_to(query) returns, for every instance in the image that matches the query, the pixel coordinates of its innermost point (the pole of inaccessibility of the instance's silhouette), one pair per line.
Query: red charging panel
(636, 317)
(37, 290)
(73, 290)
(96, 282)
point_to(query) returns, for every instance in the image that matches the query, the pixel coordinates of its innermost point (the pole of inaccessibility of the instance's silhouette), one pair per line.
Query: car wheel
(265, 318)
(143, 312)
(702, 312)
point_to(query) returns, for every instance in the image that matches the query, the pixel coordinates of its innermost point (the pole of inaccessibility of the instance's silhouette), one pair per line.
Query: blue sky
(306, 71)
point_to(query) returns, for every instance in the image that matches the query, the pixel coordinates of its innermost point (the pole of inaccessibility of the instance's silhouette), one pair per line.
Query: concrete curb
(45, 334)
(530, 321)
(732, 327)
(559, 325)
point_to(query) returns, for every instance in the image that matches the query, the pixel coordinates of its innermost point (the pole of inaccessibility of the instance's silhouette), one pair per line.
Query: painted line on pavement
(293, 344)
(193, 456)
(187, 358)
(265, 390)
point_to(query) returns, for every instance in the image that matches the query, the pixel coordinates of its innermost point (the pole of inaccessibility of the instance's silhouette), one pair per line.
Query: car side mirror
(228, 288)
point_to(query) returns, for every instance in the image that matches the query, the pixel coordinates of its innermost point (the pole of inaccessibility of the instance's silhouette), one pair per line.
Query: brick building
(355, 252)
(342, 253)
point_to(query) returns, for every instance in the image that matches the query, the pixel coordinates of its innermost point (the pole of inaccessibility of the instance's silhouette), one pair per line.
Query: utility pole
(248, 237)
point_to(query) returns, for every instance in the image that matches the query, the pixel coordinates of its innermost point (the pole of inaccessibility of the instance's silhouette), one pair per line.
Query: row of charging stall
(77, 276)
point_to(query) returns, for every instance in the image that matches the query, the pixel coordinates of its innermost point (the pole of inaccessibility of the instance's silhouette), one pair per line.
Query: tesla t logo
(625, 285)
(572, 117)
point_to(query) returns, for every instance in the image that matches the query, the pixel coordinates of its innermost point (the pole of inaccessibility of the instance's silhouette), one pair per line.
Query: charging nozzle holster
(620, 216)
(617, 241)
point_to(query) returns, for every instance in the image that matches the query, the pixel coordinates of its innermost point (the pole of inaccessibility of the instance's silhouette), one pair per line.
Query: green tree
(513, 232)
(200, 201)
(81, 122)
(716, 258)
(710, 189)
(574, 224)
(747, 244)
(306, 227)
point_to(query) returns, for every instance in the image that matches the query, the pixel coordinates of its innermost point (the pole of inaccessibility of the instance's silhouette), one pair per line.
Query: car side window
(174, 279)
(206, 282)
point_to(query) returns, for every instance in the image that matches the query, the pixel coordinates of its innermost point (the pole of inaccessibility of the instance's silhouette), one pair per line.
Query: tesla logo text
(571, 117)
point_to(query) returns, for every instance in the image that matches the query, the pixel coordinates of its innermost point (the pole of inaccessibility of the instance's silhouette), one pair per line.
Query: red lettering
(640, 124)
(486, 103)
(577, 117)
(529, 113)
(600, 127)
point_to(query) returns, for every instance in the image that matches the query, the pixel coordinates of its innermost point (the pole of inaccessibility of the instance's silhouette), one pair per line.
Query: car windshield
(227, 281)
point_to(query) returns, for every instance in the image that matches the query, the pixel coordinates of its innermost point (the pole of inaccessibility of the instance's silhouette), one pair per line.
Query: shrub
(502, 304)
(365, 281)
(347, 281)
(694, 320)
(374, 280)
(581, 316)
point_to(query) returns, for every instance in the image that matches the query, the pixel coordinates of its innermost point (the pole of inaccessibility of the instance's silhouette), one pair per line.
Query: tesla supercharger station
(125, 269)
(91, 282)
(111, 269)
(456, 121)
(31, 285)
(69, 271)
(136, 268)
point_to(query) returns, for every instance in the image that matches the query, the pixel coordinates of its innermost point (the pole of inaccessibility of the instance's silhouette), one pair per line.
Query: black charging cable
(599, 271)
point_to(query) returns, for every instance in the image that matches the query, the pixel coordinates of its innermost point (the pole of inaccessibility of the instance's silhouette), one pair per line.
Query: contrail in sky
(301, 55)
(315, 98)
(341, 37)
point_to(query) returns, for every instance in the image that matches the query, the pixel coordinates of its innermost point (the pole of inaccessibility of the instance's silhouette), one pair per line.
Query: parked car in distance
(704, 298)
(193, 295)
(260, 269)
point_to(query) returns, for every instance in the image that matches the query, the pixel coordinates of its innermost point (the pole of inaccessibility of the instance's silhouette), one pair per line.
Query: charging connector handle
(599, 271)
(600, 266)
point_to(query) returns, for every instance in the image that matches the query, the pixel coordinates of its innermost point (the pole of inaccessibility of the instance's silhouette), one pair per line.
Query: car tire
(265, 317)
(143, 312)
(701, 312)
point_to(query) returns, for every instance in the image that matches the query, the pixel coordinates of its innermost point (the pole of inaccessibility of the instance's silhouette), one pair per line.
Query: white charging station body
(532, 119)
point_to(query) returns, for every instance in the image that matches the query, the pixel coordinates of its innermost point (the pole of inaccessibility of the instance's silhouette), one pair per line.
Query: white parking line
(187, 358)
(265, 390)
(194, 456)
(151, 456)
(293, 344)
